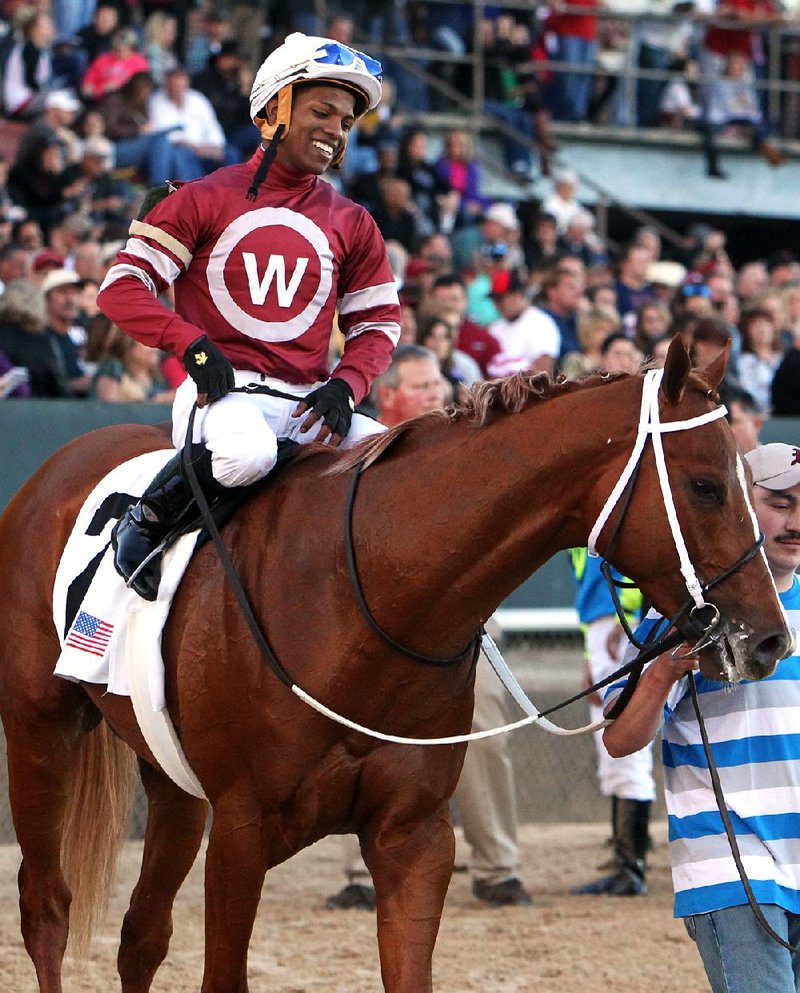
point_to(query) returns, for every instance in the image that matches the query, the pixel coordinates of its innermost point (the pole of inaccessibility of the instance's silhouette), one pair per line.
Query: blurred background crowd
(101, 99)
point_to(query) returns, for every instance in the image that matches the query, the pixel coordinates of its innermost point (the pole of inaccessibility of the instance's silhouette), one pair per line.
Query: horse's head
(713, 530)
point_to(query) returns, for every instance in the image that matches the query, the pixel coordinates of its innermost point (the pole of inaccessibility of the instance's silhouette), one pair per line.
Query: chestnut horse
(454, 512)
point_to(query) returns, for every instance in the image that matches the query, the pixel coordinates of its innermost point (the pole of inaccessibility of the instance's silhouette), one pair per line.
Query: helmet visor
(334, 54)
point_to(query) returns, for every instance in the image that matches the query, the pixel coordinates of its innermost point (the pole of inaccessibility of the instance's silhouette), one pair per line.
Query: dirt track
(563, 944)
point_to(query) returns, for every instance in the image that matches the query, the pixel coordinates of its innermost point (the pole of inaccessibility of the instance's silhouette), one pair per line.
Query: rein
(649, 425)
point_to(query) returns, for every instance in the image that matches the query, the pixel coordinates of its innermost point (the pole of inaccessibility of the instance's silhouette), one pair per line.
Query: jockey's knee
(240, 462)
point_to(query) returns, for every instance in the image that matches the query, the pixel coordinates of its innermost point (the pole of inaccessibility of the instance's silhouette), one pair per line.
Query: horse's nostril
(773, 648)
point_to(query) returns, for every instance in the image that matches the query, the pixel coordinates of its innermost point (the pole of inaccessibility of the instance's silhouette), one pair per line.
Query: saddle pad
(108, 633)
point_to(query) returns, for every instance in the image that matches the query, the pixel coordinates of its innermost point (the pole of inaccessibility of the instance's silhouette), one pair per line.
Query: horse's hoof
(355, 896)
(509, 893)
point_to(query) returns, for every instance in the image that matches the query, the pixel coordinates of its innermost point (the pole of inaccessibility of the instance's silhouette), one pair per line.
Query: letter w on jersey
(276, 269)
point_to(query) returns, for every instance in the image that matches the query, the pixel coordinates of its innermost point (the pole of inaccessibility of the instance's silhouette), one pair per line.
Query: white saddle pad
(109, 634)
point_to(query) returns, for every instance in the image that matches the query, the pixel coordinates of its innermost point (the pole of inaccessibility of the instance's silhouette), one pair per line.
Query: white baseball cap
(57, 278)
(775, 466)
(63, 100)
(503, 214)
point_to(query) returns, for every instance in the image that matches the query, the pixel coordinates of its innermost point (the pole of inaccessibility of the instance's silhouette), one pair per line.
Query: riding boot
(631, 837)
(165, 502)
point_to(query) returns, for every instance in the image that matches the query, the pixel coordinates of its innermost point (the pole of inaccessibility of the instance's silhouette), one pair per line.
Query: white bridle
(650, 426)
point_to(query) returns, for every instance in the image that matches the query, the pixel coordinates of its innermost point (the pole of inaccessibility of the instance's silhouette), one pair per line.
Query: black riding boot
(143, 527)
(631, 840)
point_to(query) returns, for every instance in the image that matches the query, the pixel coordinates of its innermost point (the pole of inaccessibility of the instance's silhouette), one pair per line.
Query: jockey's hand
(209, 368)
(332, 403)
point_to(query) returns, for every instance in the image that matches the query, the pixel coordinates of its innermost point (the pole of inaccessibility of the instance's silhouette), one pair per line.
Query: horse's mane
(485, 399)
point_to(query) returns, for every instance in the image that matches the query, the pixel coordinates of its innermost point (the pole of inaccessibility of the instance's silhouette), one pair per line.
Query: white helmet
(302, 58)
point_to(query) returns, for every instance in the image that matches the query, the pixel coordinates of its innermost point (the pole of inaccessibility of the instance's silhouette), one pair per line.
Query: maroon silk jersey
(264, 280)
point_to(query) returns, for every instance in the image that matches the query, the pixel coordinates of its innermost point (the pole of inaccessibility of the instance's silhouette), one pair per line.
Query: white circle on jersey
(227, 242)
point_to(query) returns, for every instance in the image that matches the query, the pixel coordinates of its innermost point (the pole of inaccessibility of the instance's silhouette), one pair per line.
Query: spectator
(161, 33)
(620, 354)
(57, 122)
(137, 145)
(61, 294)
(459, 371)
(786, 382)
(394, 213)
(194, 129)
(560, 297)
(602, 295)
(631, 283)
(27, 233)
(223, 82)
(206, 43)
(459, 170)
(15, 263)
(542, 246)
(574, 40)
(111, 70)
(496, 236)
(449, 296)
(128, 372)
(562, 203)
(45, 185)
(661, 43)
(43, 262)
(594, 327)
(529, 338)
(27, 70)
(783, 269)
(752, 281)
(365, 187)
(744, 416)
(694, 298)
(14, 380)
(26, 343)
(427, 186)
(652, 323)
(579, 240)
(105, 198)
(761, 354)
(96, 38)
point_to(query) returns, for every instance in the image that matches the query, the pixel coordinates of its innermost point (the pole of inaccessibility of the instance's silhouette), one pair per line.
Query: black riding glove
(209, 368)
(333, 403)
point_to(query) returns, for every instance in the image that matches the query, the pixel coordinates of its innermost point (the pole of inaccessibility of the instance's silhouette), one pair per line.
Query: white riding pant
(631, 777)
(242, 429)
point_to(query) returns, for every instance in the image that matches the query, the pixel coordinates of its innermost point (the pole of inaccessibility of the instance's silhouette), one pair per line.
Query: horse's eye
(707, 490)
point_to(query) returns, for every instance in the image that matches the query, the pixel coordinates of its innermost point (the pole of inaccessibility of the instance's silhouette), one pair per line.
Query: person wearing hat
(752, 728)
(61, 289)
(262, 256)
(529, 338)
(61, 109)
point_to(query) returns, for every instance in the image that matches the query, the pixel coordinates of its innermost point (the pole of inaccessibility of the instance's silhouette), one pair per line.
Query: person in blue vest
(754, 730)
(627, 782)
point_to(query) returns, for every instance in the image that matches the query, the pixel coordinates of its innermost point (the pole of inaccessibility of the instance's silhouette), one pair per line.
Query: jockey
(258, 281)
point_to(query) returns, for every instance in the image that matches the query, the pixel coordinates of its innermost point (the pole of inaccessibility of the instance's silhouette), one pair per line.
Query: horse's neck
(469, 512)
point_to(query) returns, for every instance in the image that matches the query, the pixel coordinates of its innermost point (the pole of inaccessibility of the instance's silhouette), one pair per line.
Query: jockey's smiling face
(322, 117)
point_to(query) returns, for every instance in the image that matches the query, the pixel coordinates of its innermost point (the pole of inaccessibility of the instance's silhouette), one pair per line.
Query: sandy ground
(562, 944)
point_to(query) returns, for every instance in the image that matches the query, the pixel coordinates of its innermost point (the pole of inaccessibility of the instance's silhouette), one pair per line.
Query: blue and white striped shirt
(754, 731)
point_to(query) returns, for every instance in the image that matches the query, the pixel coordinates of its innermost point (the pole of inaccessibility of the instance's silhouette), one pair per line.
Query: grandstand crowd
(101, 100)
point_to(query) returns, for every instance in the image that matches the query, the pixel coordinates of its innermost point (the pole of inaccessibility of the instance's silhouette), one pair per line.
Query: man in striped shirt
(754, 728)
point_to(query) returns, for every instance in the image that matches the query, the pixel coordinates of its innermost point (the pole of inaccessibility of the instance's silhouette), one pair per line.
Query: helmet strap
(266, 161)
(283, 115)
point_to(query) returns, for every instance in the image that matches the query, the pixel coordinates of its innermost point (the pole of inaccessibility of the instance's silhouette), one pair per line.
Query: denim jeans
(739, 957)
(572, 90)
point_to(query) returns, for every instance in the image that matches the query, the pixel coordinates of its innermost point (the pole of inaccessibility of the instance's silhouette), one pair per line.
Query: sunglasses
(334, 54)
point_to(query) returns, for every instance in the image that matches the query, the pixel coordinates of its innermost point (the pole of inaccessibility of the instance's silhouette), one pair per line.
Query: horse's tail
(95, 826)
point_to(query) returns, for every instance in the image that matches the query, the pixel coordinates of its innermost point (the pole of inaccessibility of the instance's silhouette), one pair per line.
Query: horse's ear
(714, 372)
(676, 370)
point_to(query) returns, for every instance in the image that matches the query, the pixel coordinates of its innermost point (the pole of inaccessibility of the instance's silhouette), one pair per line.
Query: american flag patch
(89, 634)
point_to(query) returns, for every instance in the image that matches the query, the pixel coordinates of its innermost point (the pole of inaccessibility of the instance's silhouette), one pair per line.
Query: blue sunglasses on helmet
(334, 54)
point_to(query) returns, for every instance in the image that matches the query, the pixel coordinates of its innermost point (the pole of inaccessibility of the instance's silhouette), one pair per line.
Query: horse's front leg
(411, 863)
